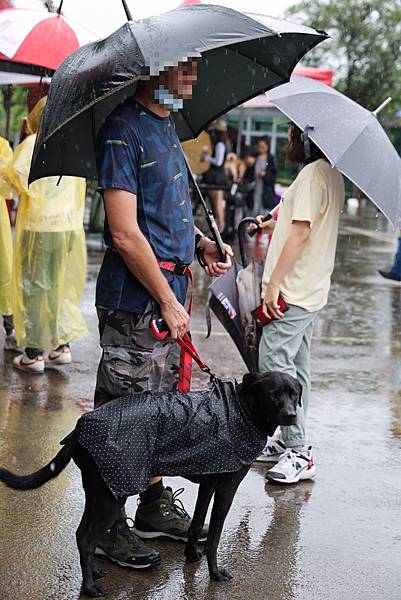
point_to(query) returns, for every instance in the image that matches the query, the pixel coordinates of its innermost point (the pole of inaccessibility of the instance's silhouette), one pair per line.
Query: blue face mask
(167, 99)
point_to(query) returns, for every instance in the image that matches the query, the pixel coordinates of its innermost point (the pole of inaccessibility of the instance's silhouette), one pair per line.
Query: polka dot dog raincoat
(136, 437)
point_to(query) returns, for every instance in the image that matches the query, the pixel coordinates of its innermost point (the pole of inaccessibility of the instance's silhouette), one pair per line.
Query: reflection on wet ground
(336, 538)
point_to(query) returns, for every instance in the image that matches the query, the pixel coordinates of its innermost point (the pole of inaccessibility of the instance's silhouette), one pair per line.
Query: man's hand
(270, 305)
(214, 267)
(175, 317)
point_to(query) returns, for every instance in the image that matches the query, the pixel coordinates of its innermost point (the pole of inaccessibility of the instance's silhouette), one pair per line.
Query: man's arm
(121, 209)
(292, 250)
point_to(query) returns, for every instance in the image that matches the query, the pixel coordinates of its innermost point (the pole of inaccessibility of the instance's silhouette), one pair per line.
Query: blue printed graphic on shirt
(139, 152)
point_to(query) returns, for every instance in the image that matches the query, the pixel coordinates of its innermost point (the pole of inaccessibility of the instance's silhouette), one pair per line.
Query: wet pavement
(338, 537)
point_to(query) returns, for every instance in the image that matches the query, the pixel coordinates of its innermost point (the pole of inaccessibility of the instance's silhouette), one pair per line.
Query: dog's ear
(251, 379)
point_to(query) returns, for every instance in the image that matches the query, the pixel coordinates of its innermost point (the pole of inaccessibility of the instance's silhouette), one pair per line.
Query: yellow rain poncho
(6, 242)
(50, 253)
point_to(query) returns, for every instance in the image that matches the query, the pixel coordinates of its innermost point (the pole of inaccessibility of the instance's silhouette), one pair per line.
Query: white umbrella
(349, 135)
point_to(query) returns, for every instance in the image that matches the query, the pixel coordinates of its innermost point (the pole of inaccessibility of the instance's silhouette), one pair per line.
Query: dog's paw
(193, 553)
(97, 573)
(95, 592)
(220, 575)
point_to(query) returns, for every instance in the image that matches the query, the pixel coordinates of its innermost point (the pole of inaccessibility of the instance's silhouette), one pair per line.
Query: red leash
(188, 350)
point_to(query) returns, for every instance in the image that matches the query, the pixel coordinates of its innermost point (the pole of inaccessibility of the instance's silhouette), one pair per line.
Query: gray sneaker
(121, 545)
(165, 517)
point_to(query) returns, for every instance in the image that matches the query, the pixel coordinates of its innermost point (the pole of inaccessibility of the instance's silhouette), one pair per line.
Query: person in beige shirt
(299, 264)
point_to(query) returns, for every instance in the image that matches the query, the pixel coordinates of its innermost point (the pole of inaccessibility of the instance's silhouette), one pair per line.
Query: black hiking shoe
(122, 546)
(165, 517)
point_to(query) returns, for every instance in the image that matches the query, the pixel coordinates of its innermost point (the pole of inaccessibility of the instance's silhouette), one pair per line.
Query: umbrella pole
(209, 214)
(127, 11)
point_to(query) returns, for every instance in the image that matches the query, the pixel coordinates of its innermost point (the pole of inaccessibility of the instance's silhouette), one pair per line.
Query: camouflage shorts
(133, 360)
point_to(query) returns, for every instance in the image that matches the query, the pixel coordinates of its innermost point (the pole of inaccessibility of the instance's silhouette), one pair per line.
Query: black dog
(210, 437)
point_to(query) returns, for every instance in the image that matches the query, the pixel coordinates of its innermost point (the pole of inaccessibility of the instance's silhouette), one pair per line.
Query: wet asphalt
(338, 537)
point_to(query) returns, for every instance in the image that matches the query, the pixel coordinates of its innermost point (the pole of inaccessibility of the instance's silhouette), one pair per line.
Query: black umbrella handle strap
(187, 346)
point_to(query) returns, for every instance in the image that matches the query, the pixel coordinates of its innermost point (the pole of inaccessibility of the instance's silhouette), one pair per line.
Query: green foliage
(17, 112)
(364, 51)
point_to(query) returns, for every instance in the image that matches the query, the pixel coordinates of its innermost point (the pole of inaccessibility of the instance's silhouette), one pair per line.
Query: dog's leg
(223, 497)
(101, 511)
(193, 553)
(97, 518)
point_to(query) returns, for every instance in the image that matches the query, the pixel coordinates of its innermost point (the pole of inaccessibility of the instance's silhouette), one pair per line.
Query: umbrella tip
(382, 105)
(127, 11)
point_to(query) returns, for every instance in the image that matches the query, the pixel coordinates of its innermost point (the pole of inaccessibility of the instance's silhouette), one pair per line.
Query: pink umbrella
(190, 2)
(39, 38)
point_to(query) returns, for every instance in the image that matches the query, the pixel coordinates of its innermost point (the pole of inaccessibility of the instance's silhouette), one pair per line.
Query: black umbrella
(239, 56)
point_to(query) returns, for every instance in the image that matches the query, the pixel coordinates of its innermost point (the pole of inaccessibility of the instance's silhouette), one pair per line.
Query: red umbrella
(190, 2)
(39, 38)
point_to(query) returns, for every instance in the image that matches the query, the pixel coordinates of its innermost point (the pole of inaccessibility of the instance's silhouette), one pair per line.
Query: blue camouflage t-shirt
(138, 151)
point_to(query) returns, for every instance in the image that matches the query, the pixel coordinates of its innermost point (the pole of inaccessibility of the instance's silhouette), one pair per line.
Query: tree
(365, 49)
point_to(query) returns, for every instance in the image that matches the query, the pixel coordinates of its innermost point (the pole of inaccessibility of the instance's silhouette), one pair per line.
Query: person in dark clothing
(143, 178)
(265, 172)
(216, 176)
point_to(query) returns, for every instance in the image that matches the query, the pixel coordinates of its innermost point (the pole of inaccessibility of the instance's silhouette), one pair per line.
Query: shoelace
(131, 536)
(177, 506)
(288, 457)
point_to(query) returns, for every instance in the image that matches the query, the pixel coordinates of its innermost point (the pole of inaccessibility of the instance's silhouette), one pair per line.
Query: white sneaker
(293, 466)
(10, 342)
(32, 365)
(273, 450)
(62, 356)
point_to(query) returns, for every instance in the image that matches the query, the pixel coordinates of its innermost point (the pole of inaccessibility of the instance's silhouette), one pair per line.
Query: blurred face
(263, 147)
(249, 161)
(180, 79)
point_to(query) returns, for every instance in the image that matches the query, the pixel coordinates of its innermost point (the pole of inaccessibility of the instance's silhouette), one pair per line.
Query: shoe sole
(151, 564)
(310, 474)
(28, 370)
(151, 535)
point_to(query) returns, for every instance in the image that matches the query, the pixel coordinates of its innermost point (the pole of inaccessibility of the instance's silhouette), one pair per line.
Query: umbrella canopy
(12, 72)
(238, 57)
(38, 37)
(350, 136)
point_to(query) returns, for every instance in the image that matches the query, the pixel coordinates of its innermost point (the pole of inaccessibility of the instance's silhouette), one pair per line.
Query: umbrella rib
(79, 112)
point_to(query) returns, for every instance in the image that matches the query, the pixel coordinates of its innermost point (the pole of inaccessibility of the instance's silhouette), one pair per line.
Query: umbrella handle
(241, 238)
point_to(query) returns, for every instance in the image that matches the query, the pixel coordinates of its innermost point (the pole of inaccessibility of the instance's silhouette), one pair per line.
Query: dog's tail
(51, 470)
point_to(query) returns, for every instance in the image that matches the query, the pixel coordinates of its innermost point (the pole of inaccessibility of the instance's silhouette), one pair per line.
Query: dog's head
(278, 396)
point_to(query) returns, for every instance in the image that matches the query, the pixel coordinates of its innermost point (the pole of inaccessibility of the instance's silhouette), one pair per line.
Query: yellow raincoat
(6, 242)
(50, 253)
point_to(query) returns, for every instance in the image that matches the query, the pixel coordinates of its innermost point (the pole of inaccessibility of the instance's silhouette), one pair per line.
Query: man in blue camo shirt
(143, 178)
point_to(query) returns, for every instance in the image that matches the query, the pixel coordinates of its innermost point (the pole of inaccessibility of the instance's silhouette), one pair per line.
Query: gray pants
(133, 360)
(285, 346)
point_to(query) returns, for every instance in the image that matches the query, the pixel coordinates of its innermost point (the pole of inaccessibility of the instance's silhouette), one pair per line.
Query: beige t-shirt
(317, 196)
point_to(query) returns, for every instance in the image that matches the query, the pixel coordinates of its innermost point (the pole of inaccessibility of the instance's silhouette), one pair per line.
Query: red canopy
(38, 37)
(323, 75)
